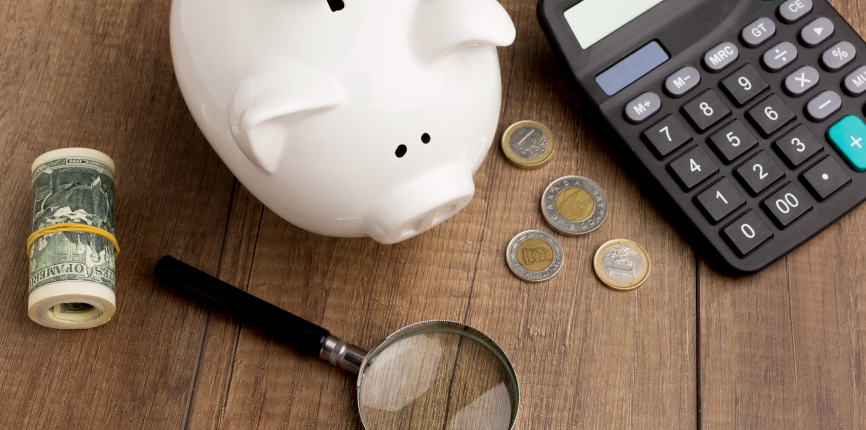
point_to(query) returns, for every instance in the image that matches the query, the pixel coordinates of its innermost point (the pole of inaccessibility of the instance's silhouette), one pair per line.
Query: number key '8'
(706, 110)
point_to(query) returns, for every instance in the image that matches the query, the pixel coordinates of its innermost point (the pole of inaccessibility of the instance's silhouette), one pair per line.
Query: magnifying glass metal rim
(440, 326)
(306, 337)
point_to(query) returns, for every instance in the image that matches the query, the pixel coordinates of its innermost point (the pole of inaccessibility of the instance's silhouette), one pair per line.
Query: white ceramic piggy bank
(365, 121)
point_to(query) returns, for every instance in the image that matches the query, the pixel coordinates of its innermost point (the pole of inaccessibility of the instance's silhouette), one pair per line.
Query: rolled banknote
(72, 248)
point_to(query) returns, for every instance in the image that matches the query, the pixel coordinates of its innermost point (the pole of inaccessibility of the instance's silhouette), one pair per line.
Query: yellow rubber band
(72, 228)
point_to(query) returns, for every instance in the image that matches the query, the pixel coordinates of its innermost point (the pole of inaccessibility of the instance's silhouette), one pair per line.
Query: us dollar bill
(72, 189)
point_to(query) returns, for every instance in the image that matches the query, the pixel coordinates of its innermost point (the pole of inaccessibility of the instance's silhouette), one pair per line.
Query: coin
(622, 264)
(534, 256)
(528, 144)
(574, 205)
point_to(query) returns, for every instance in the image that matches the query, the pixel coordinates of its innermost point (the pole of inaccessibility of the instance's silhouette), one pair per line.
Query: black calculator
(744, 118)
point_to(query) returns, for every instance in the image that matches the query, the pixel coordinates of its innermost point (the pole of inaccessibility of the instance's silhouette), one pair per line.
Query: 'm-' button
(849, 137)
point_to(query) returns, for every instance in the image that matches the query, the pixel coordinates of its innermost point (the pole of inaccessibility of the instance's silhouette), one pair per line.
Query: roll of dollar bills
(72, 248)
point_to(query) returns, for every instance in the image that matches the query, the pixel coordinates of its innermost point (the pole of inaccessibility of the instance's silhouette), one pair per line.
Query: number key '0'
(747, 233)
(692, 168)
(706, 110)
(770, 115)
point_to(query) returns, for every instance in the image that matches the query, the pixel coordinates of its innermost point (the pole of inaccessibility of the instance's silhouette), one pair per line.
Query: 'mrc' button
(721, 56)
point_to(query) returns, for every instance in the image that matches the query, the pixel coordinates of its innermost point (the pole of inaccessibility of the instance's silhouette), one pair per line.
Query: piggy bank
(363, 118)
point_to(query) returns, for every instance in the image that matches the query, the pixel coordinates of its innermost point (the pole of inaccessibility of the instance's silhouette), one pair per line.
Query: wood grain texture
(99, 75)
(689, 349)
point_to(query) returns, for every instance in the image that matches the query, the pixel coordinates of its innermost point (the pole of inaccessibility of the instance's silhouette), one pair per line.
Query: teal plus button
(849, 138)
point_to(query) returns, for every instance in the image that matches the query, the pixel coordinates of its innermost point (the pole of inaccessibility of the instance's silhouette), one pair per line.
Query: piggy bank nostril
(336, 5)
(425, 138)
(401, 151)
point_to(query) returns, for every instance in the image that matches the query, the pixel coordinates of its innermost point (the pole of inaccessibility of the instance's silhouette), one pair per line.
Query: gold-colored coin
(535, 255)
(575, 204)
(528, 144)
(622, 264)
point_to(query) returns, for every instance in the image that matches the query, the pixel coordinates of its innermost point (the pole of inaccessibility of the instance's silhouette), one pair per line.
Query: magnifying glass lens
(438, 379)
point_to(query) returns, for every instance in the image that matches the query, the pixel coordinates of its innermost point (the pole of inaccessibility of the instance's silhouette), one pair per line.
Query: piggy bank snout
(421, 203)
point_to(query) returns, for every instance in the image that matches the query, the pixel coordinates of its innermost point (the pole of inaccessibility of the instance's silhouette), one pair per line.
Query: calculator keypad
(797, 175)
(759, 173)
(732, 141)
(693, 168)
(770, 115)
(706, 110)
(786, 205)
(744, 85)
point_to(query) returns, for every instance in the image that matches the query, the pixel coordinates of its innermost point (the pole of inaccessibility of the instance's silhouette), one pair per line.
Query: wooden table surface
(785, 349)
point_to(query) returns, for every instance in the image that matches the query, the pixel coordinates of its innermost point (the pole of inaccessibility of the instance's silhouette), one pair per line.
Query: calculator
(743, 119)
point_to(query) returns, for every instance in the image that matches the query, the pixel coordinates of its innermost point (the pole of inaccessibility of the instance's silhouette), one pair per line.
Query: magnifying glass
(438, 375)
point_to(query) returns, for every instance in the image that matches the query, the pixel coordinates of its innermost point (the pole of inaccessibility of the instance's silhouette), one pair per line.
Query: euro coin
(574, 205)
(528, 144)
(534, 256)
(622, 264)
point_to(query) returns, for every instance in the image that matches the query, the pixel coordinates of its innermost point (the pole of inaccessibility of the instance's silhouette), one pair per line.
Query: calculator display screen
(593, 20)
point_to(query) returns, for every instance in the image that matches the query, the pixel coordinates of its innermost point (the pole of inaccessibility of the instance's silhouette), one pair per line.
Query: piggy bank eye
(336, 5)
(425, 138)
(401, 151)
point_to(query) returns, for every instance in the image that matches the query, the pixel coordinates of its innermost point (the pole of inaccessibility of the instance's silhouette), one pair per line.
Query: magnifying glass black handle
(307, 337)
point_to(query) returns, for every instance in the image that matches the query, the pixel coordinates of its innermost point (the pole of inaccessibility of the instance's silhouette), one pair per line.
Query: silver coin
(535, 256)
(574, 205)
(528, 142)
(622, 263)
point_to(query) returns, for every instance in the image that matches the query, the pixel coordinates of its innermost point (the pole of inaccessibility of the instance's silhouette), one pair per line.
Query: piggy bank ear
(445, 25)
(268, 102)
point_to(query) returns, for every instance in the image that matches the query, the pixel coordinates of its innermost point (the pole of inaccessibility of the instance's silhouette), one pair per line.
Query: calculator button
(779, 56)
(721, 56)
(706, 110)
(770, 115)
(744, 85)
(823, 105)
(747, 233)
(838, 56)
(792, 11)
(682, 81)
(816, 32)
(693, 168)
(825, 178)
(802, 80)
(642, 107)
(732, 141)
(666, 136)
(758, 32)
(787, 205)
(847, 136)
(797, 146)
(759, 173)
(855, 83)
(719, 201)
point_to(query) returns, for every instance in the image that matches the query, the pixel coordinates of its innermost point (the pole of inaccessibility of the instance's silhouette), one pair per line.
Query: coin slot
(336, 5)
(425, 138)
(401, 151)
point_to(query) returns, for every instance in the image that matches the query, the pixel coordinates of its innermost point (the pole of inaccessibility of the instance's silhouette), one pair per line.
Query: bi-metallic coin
(574, 205)
(622, 264)
(535, 256)
(528, 144)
